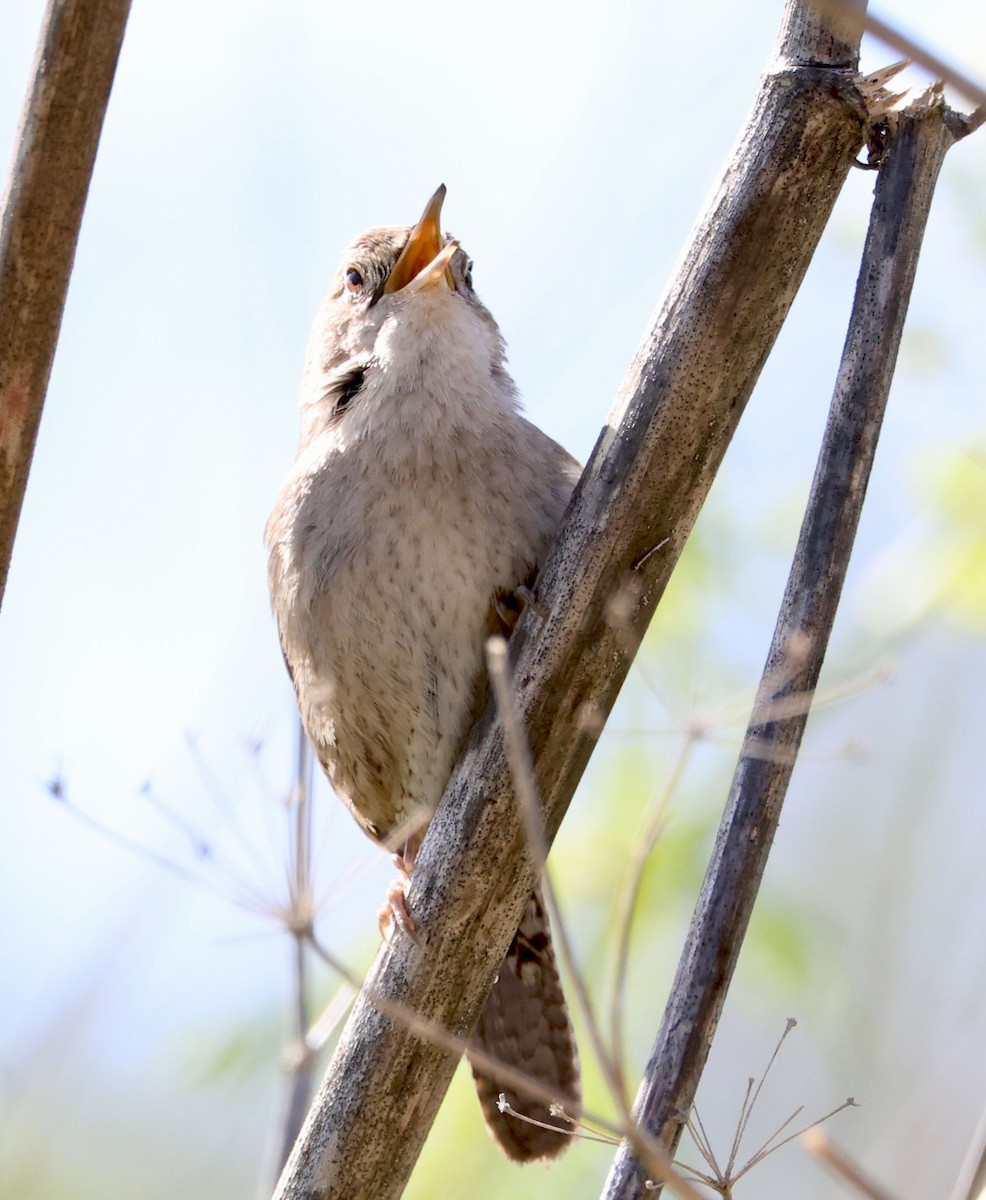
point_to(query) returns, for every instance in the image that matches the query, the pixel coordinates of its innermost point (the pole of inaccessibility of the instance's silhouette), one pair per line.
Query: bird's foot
(395, 912)
(508, 607)
(528, 598)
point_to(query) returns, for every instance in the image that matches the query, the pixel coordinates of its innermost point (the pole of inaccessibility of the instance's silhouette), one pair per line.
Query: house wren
(420, 503)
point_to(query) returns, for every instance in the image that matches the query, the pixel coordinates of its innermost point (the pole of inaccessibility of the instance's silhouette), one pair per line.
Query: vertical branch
(300, 916)
(42, 211)
(971, 1181)
(904, 189)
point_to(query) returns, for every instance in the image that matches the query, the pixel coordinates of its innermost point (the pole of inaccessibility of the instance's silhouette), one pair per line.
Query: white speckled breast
(390, 539)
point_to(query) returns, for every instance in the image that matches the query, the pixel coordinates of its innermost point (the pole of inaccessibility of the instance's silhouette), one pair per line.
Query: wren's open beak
(424, 260)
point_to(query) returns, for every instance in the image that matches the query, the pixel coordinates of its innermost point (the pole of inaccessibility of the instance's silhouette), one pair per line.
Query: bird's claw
(395, 912)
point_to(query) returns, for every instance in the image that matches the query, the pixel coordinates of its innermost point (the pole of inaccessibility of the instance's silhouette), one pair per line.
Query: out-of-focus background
(144, 1016)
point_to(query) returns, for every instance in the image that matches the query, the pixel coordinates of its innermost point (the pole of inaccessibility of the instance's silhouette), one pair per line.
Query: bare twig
(629, 894)
(332, 1015)
(752, 1096)
(201, 847)
(819, 1144)
(723, 1181)
(918, 144)
(971, 1181)
(42, 211)
(226, 806)
(301, 1061)
(249, 901)
(772, 1144)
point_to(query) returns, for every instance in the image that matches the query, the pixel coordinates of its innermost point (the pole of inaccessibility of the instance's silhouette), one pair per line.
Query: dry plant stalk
(819, 1144)
(971, 1181)
(525, 786)
(919, 137)
(301, 1064)
(651, 1152)
(629, 519)
(42, 211)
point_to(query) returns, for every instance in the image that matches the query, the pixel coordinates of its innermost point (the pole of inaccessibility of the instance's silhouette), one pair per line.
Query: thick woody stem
(42, 211)
(631, 514)
(904, 189)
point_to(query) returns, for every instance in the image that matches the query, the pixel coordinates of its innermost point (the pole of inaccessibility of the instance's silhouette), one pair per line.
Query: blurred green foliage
(938, 564)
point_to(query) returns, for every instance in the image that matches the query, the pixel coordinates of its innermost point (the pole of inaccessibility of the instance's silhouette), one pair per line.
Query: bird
(411, 527)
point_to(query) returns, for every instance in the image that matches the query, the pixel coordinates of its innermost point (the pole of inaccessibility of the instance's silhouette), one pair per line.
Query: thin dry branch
(646, 481)
(301, 1064)
(628, 897)
(42, 211)
(919, 139)
(658, 1162)
(522, 774)
(819, 1144)
(971, 1181)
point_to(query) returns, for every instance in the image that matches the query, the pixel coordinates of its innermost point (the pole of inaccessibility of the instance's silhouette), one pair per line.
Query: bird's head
(400, 329)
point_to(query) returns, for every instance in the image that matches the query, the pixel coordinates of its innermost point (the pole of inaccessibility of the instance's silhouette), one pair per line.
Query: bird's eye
(354, 280)
(467, 273)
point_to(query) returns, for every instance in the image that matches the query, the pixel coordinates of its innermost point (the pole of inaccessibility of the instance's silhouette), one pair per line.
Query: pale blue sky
(245, 145)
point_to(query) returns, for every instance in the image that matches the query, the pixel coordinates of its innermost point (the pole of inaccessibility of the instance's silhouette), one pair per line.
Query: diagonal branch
(818, 1143)
(42, 211)
(632, 512)
(920, 138)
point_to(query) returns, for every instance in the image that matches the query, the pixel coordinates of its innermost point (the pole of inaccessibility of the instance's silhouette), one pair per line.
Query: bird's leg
(528, 597)
(508, 606)
(395, 910)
